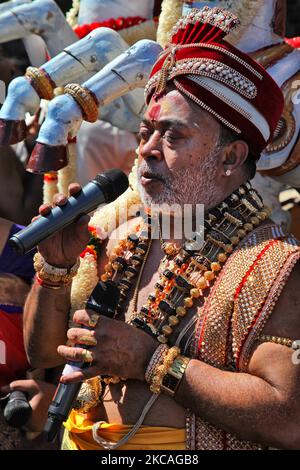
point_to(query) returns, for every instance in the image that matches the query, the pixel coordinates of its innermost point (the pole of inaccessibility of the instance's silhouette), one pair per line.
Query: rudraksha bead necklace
(187, 274)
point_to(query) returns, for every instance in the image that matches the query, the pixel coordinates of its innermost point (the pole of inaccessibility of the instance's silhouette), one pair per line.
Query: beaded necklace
(187, 274)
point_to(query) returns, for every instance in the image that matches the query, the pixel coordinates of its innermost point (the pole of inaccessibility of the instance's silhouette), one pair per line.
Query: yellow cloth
(78, 436)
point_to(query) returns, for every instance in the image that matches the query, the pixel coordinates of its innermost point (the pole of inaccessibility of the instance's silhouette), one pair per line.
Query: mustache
(146, 170)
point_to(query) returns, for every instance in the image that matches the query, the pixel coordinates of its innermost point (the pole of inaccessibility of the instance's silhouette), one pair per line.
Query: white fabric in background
(100, 147)
(99, 10)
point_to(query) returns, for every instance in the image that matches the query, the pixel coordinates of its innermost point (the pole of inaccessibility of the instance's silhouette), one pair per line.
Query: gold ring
(94, 320)
(87, 356)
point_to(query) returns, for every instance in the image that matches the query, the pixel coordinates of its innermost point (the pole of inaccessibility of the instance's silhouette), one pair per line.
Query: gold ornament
(86, 100)
(88, 396)
(41, 82)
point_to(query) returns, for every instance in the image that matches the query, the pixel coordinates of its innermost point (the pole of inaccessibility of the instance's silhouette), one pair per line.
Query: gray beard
(186, 185)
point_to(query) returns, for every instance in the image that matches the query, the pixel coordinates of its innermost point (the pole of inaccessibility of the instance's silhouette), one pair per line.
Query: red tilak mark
(155, 112)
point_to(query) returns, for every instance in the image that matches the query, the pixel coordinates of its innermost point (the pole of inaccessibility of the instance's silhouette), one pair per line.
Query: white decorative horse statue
(11, 4)
(35, 46)
(66, 112)
(41, 17)
(75, 63)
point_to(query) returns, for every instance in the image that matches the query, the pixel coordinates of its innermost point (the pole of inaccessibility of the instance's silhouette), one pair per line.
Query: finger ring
(87, 356)
(88, 340)
(94, 319)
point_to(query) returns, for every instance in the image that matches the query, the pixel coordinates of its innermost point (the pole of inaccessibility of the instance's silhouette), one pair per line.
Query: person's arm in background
(20, 191)
(5, 226)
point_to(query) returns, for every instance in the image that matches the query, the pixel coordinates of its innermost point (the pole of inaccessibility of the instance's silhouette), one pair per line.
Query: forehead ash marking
(169, 103)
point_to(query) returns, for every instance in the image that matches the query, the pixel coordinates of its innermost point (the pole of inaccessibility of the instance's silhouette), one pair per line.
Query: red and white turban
(222, 80)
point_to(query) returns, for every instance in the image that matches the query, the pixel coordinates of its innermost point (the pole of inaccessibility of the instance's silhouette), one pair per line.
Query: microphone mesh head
(113, 183)
(17, 413)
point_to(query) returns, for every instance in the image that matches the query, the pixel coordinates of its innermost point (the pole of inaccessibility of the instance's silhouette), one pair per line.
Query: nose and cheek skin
(182, 159)
(177, 161)
(195, 132)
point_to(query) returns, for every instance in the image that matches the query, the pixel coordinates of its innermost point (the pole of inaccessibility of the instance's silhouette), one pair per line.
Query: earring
(228, 172)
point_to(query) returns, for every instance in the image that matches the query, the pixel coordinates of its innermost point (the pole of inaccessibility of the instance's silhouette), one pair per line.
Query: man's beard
(194, 185)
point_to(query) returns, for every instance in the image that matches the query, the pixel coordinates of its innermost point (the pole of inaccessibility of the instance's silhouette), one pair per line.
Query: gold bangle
(162, 369)
(47, 272)
(46, 284)
(172, 379)
(89, 395)
(156, 359)
(41, 82)
(86, 100)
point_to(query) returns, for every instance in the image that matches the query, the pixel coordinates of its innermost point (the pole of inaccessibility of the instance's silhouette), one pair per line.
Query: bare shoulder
(5, 226)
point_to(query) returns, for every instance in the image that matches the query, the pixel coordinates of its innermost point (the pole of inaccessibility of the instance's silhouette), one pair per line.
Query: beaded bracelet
(162, 369)
(157, 358)
(290, 343)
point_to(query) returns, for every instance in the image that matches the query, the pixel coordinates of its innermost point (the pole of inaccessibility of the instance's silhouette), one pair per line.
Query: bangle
(156, 359)
(42, 283)
(86, 99)
(41, 82)
(162, 369)
(173, 377)
(47, 272)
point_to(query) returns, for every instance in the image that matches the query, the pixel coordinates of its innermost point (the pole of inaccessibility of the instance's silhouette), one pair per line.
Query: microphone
(104, 189)
(17, 410)
(103, 300)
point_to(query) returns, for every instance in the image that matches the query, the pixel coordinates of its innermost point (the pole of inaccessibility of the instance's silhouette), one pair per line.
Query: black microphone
(103, 189)
(103, 300)
(17, 410)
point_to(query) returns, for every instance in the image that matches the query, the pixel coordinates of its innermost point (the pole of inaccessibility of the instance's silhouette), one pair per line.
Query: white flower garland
(133, 34)
(171, 11)
(105, 220)
(72, 14)
(119, 211)
(84, 283)
(49, 189)
(68, 174)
